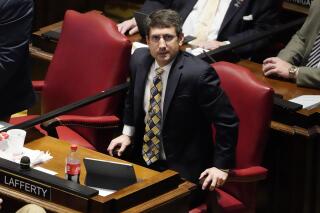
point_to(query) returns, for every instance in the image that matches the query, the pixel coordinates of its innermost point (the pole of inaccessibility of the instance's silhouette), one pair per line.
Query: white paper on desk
(307, 101)
(196, 51)
(137, 45)
(36, 156)
(41, 169)
(103, 192)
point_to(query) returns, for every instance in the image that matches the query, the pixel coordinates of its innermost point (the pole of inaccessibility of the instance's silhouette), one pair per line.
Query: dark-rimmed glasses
(166, 38)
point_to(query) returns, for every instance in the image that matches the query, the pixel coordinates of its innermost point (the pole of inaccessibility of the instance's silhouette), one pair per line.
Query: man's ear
(181, 39)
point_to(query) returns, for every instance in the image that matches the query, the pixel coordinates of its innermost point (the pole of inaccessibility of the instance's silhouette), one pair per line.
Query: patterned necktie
(205, 21)
(314, 56)
(151, 145)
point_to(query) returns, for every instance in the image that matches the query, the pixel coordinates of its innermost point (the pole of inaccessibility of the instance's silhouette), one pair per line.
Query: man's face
(164, 44)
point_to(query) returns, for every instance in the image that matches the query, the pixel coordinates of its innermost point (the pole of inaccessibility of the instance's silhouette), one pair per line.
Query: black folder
(52, 35)
(108, 174)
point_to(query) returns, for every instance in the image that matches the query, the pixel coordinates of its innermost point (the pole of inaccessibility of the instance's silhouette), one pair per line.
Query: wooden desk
(300, 122)
(154, 192)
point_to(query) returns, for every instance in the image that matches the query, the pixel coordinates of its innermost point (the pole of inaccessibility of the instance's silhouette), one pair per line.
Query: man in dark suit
(300, 59)
(190, 101)
(15, 28)
(233, 21)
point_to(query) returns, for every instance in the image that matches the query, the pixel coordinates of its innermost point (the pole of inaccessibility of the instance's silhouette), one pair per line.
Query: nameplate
(25, 185)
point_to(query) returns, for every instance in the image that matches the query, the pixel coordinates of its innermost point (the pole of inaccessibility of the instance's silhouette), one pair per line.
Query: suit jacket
(234, 26)
(193, 100)
(15, 28)
(298, 49)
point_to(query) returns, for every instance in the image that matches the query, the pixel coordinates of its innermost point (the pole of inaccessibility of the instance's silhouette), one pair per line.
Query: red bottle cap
(74, 147)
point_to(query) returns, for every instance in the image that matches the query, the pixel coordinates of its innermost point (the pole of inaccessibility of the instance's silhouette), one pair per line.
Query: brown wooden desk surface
(287, 89)
(154, 192)
(60, 149)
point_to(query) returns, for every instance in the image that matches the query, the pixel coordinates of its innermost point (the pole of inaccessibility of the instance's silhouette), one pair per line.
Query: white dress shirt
(192, 21)
(130, 130)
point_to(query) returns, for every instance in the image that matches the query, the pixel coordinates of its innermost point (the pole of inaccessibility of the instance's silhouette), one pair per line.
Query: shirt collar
(166, 68)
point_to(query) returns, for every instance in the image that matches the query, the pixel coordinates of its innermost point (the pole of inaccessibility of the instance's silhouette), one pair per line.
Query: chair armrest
(88, 121)
(38, 85)
(96, 122)
(250, 174)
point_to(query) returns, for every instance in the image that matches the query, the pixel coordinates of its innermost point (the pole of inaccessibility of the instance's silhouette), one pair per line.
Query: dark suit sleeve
(152, 5)
(15, 26)
(216, 106)
(264, 19)
(128, 118)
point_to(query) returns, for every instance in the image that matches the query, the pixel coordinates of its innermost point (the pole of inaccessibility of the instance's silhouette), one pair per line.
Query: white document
(103, 192)
(196, 51)
(41, 169)
(307, 101)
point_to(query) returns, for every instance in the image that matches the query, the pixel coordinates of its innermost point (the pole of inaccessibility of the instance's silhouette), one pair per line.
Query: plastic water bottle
(72, 169)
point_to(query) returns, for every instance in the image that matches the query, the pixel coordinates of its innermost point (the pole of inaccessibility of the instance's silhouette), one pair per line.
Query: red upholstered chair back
(91, 56)
(252, 102)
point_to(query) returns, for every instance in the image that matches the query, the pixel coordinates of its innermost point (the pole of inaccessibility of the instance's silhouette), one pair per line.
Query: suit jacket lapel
(140, 84)
(189, 5)
(173, 80)
(232, 10)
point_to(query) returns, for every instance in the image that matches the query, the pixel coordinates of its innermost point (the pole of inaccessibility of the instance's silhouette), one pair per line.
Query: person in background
(15, 84)
(29, 208)
(299, 61)
(173, 99)
(216, 23)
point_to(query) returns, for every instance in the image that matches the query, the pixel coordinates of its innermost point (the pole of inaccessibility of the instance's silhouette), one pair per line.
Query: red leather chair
(91, 56)
(252, 102)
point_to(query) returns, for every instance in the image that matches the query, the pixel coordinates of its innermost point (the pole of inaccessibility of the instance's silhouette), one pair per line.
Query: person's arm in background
(148, 7)
(295, 51)
(15, 26)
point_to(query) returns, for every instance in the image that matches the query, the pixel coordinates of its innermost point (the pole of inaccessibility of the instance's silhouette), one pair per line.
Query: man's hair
(165, 18)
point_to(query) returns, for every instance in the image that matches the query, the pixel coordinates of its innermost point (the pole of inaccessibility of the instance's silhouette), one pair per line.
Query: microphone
(25, 163)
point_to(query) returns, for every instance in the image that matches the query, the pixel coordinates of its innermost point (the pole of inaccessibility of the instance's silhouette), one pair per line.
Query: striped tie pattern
(151, 145)
(314, 56)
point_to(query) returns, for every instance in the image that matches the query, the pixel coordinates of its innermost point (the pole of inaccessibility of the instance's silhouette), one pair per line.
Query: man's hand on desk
(119, 145)
(275, 66)
(130, 24)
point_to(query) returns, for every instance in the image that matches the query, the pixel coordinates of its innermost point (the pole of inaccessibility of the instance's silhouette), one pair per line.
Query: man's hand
(213, 177)
(276, 66)
(211, 45)
(120, 143)
(1, 203)
(130, 24)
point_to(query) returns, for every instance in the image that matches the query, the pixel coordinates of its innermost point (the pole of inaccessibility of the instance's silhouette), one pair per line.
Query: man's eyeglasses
(166, 38)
